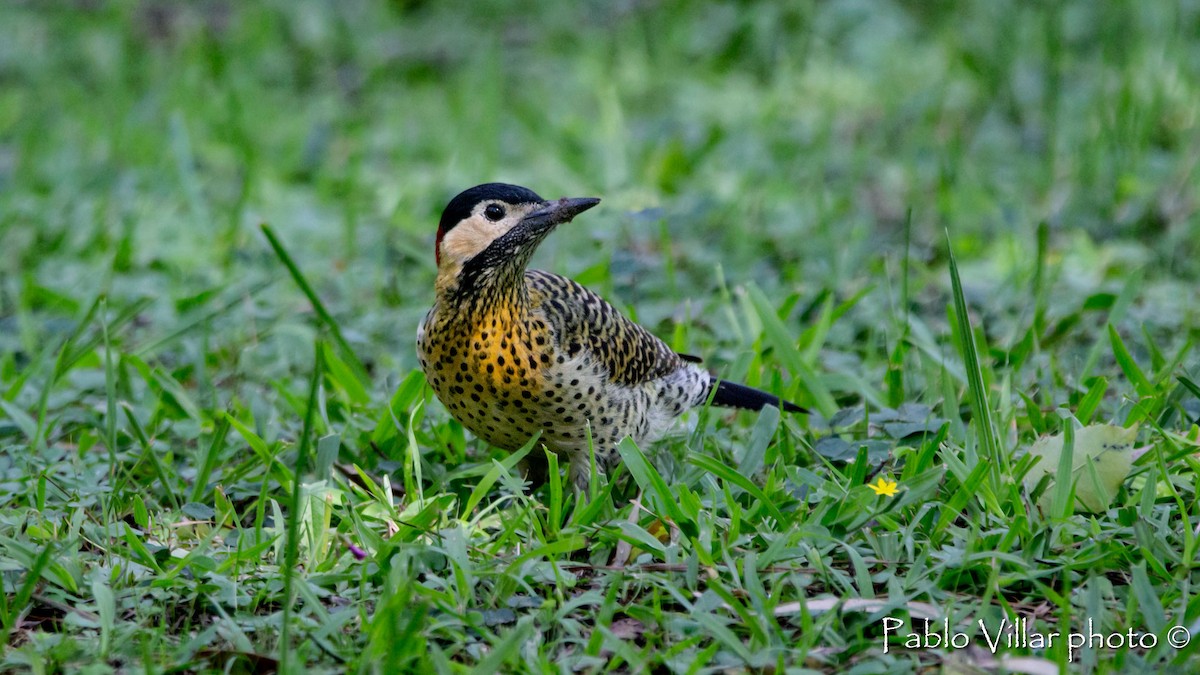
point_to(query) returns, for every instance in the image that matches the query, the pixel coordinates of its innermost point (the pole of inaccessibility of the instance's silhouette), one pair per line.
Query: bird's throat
(480, 291)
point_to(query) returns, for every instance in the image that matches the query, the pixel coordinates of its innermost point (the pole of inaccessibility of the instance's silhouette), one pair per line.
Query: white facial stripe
(470, 237)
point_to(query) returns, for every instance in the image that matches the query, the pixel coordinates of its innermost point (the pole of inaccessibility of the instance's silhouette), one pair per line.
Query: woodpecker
(512, 351)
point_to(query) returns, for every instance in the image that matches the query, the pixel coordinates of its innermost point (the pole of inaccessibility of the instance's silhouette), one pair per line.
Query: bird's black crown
(460, 207)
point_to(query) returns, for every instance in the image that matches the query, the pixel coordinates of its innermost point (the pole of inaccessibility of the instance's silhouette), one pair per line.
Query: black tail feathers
(732, 395)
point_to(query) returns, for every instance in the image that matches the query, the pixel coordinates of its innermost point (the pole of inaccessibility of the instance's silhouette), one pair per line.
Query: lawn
(950, 229)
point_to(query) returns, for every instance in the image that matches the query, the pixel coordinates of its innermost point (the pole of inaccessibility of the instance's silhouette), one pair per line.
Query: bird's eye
(494, 212)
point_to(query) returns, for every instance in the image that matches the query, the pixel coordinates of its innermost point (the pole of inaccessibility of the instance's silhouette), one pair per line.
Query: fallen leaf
(1101, 460)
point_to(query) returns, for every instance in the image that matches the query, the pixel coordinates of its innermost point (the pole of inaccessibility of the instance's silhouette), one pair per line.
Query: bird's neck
(481, 292)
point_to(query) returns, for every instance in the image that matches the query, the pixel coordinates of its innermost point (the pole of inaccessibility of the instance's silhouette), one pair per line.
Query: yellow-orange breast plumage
(559, 360)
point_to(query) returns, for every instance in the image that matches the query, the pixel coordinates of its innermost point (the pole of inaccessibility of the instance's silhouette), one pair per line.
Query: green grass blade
(785, 346)
(318, 306)
(1128, 365)
(209, 462)
(1149, 604)
(977, 394)
(1063, 500)
(554, 484)
(968, 489)
(1190, 385)
(729, 475)
(1091, 401)
(1116, 314)
(489, 479)
(33, 577)
(150, 454)
(653, 485)
(760, 437)
(292, 550)
(502, 653)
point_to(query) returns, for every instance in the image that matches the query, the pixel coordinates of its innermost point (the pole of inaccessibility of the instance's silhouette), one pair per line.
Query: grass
(947, 228)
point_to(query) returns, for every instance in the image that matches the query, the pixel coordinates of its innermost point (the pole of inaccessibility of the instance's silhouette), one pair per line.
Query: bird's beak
(513, 248)
(555, 213)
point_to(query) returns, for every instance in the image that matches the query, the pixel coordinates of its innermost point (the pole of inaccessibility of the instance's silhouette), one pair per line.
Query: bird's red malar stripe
(437, 246)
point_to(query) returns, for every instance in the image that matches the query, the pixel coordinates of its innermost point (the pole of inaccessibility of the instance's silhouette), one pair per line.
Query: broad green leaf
(1101, 461)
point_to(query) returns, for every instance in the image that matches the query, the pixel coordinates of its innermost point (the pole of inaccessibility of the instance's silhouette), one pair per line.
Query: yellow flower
(884, 487)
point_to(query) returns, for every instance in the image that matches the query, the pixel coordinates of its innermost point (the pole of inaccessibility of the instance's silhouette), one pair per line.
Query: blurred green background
(142, 142)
